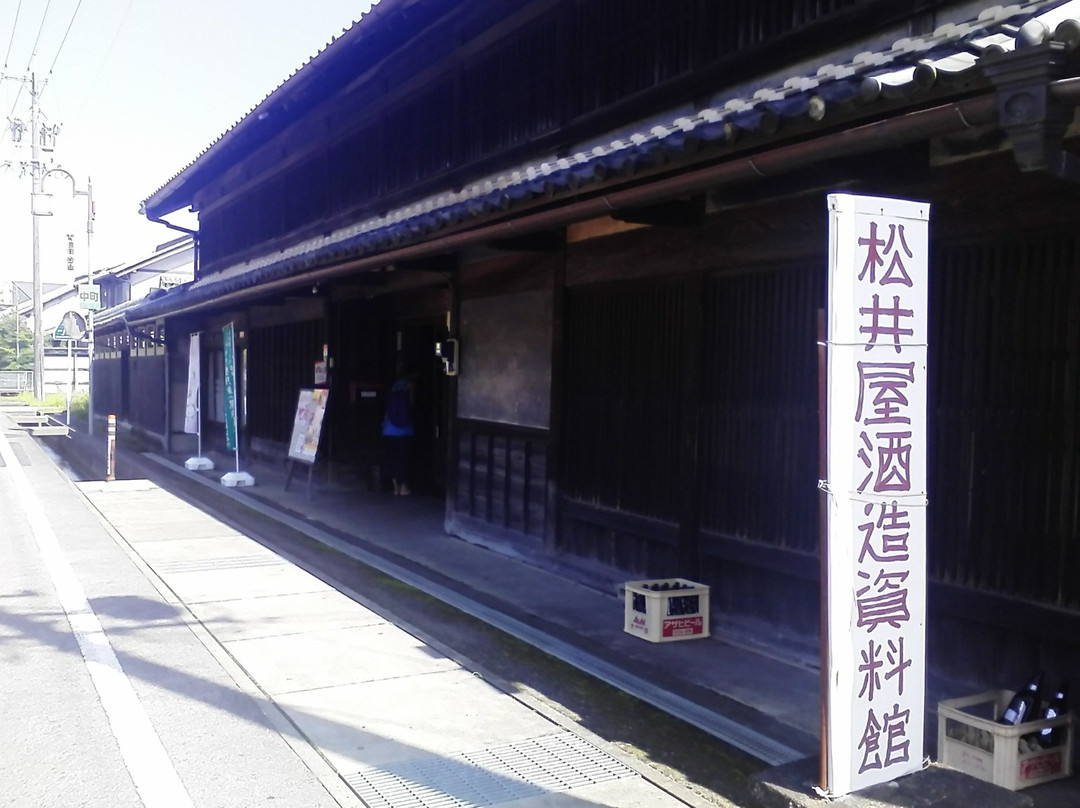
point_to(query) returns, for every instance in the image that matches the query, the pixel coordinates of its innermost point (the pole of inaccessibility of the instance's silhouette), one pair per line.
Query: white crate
(660, 615)
(971, 740)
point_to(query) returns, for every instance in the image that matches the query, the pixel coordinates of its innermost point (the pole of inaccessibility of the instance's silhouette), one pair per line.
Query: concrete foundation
(792, 786)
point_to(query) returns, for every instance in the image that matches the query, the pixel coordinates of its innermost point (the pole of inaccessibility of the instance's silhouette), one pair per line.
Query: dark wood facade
(129, 377)
(496, 82)
(639, 395)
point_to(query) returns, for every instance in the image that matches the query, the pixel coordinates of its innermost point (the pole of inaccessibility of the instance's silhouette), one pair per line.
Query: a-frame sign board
(307, 428)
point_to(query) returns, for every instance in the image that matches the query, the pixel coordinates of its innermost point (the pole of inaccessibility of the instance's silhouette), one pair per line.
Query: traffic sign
(89, 296)
(71, 328)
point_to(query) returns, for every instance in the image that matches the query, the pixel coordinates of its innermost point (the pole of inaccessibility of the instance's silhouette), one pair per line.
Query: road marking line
(147, 762)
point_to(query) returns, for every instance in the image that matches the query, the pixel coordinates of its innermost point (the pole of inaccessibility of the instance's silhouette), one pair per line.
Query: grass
(51, 400)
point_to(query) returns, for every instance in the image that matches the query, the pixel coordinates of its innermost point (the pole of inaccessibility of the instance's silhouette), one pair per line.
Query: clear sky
(138, 88)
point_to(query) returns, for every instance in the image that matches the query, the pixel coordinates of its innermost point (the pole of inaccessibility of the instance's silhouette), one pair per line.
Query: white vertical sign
(191, 411)
(878, 272)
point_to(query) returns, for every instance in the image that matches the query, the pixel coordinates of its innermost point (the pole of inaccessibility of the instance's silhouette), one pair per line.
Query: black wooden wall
(281, 362)
(107, 392)
(745, 442)
(1004, 514)
(1005, 450)
(623, 419)
(758, 454)
(501, 478)
(148, 390)
(129, 377)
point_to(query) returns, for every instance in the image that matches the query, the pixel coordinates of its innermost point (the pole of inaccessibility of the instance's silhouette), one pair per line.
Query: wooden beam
(442, 264)
(597, 228)
(887, 169)
(548, 241)
(673, 213)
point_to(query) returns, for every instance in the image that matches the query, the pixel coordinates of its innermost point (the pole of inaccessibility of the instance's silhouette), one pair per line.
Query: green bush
(80, 405)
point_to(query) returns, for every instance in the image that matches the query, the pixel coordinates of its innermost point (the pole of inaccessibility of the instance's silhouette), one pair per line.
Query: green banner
(230, 387)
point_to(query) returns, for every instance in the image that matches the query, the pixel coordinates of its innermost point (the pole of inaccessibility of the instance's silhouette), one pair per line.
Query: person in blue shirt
(397, 430)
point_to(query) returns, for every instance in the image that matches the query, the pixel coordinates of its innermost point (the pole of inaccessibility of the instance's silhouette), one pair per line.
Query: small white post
(110, 451)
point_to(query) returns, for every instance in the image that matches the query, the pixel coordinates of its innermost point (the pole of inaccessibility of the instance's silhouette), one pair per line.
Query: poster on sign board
(307, 424)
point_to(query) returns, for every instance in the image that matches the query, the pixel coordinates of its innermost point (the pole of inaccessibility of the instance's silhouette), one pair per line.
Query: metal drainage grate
(552, 763)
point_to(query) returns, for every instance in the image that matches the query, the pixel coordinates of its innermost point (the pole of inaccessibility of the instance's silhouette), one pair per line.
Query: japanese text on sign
(877, 488)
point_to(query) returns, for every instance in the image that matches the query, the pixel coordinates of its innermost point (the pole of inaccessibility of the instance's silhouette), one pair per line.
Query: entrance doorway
(414, 353)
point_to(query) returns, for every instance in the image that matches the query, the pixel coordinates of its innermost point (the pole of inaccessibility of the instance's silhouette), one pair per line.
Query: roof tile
(626, 154)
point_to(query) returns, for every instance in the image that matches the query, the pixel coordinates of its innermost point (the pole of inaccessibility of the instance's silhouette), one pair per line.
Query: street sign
(89, 296)
(71, 328)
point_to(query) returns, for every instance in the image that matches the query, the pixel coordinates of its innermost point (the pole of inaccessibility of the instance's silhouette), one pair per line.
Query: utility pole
(89, 314)
(35, 179)
(38, 199)
(18, 320)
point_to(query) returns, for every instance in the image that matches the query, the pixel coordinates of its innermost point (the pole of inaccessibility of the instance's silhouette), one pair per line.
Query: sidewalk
(753, 698)
(210, 628)
(755, 693)
(399, 722)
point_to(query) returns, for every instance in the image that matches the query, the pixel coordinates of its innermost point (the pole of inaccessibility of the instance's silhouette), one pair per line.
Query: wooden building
(617, 207)
(130, 364)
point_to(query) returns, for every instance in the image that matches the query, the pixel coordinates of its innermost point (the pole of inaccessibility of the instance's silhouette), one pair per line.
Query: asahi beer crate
(971, 739)
(667, 609)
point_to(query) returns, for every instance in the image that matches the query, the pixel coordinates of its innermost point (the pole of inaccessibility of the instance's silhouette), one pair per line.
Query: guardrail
(13, 382)
(37, 420)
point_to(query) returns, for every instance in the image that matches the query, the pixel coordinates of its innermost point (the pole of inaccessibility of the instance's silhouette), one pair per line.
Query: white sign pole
(71, 385)
(90, 373)
(876, 486)
(89, 301)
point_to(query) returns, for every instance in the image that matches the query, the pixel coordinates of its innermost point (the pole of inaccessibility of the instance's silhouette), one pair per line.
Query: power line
(18, 95)
(67, 31)
(37, 39)
(71, 22)
(105, 60)
(11, 41)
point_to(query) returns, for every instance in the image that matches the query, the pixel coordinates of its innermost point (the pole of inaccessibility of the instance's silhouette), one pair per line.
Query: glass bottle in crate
(1024, 704)
(1058, 706)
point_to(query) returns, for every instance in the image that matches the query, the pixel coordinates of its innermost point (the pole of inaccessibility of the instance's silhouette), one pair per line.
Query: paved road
(112, 694)
(154, 656)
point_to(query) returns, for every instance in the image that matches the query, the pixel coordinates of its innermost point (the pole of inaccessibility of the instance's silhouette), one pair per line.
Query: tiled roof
(115, 316)
(912, 65)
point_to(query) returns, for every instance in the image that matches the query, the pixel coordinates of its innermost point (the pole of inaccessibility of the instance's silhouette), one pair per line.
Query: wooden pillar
(690, 395)
(554, 455)
(453, 328)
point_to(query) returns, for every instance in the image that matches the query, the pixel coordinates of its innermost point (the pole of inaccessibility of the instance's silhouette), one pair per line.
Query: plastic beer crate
(657, 614)
(971, 740)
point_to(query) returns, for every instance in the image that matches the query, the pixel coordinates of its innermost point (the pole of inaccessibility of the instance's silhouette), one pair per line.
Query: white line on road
(147, 761)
